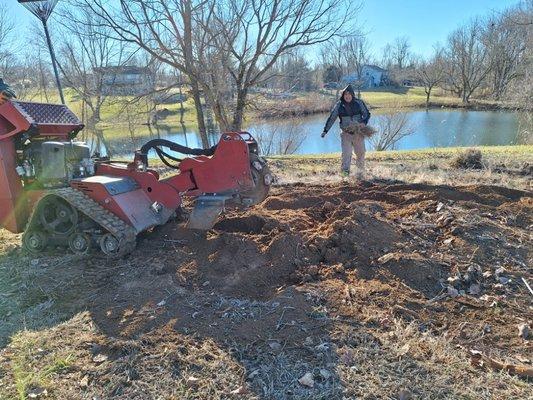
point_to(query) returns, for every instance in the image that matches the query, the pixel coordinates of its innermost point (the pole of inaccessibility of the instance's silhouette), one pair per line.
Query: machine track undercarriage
(59, 195)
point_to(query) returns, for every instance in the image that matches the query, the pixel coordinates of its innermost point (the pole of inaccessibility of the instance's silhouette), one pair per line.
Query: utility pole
(42, 9)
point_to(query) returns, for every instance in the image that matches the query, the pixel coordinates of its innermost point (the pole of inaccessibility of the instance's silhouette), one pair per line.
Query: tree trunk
(239, 109)
(428, 93)
(199, 113)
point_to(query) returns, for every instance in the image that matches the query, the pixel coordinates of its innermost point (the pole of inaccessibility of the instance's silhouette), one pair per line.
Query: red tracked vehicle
(54, 191)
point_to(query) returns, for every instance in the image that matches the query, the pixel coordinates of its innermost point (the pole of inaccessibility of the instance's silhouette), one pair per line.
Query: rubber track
(107, 220)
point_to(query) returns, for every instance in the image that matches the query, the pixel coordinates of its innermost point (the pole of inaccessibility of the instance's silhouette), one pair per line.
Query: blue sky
(424, 22)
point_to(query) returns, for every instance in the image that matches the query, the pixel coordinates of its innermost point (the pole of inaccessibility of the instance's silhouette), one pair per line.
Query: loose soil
(352, 282)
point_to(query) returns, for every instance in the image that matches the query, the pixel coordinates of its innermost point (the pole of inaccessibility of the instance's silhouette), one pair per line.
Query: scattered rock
(307, 380)
(206, 283)
(37, 392)
(474, 289)
(499, 271)
(487, 328)
(100, 358)
(192, 381)
(324, 373)
(240, 390)
(161, 303)
(404, 394)
(308, 341)
(452, 292)
(440, 205)
(34, 262)
(503, 280)
(523, 331)
(275, 345)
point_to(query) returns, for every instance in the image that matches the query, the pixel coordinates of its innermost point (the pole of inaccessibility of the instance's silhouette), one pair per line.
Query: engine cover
(60, 162)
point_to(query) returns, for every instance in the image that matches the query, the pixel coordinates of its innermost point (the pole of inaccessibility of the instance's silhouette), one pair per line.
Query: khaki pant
(355, 143)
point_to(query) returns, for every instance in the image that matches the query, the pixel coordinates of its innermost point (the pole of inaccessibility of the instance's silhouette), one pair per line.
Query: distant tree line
(225, 50)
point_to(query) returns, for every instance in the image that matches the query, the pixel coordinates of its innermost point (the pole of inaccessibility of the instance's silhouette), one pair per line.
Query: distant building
(126, 80)
(372, 76)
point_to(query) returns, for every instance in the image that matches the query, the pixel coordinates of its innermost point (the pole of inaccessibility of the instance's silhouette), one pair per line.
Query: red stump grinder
(54, 191)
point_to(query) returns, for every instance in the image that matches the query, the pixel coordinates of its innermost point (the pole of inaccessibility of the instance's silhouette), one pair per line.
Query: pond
(430, 129)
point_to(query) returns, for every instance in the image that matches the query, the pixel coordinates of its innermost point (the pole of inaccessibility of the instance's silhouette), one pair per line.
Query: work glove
(323, 134)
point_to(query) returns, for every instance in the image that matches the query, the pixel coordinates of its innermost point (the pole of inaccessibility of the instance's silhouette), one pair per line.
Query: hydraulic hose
(156, 144)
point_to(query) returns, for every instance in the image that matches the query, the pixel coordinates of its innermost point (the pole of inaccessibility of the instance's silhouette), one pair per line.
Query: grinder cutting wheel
(54, 191)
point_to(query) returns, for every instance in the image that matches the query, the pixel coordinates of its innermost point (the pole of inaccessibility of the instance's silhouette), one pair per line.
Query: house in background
(126, 80)
(371, 76)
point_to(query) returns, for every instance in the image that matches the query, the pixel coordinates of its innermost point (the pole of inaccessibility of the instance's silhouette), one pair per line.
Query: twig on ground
(527, 285)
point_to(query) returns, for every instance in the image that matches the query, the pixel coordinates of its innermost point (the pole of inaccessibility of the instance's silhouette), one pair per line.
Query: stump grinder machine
(59, 195)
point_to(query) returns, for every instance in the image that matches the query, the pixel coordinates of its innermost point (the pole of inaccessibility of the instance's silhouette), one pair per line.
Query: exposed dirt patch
(317, 278)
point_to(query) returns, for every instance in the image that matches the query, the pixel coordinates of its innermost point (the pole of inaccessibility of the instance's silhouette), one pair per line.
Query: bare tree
(356, 53)
(391, 128)
(281, 139)
(255, 33)
(85, 51)
(431, 72)
(506, 44)
(467, 59)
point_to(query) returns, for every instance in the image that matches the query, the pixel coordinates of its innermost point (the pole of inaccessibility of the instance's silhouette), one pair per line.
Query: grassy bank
(508, 166)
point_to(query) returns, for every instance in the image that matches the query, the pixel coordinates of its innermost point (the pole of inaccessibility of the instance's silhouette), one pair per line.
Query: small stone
(474, 289)
(34, 262)
(276, 346)
(206, 283)
(487, 328)
(503, 280)
(404, 394)
(308, 341)
(499, 271)
(307, 380)
(37, 392)
(324, 373)
(192, 381)
(100, 358)
(161, 303)
(523, 331)
(440, 205)
(240, 390)
(452, 292)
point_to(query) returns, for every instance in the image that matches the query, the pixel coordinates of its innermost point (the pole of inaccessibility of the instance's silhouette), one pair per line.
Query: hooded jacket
(349, 113)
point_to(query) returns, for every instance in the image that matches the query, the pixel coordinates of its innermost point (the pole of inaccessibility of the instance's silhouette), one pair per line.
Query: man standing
(354, 115)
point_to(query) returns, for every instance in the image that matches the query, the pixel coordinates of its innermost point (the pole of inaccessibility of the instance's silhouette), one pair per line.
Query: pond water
(433, 128)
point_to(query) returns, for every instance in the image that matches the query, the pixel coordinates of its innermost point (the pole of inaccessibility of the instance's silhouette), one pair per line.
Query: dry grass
(508, 166)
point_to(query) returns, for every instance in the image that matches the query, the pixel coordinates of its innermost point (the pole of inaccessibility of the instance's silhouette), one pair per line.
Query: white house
(372, 76)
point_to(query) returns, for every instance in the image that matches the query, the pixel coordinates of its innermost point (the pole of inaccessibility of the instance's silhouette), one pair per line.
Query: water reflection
(433, 128)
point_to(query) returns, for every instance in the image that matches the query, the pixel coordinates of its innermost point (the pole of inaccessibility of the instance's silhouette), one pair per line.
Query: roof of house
(123, 69)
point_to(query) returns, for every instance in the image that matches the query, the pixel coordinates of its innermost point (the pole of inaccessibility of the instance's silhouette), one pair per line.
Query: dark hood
(348, 88)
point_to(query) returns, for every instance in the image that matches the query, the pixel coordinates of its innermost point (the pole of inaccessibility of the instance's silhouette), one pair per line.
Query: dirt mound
(319, 279)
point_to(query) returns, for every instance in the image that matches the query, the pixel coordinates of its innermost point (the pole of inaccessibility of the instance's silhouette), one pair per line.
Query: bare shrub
(468, 159)
(391, 128)
(280, 140)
